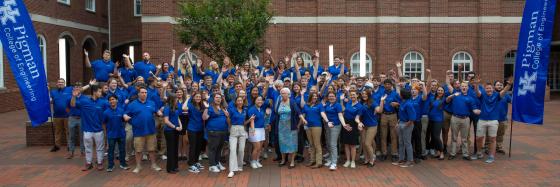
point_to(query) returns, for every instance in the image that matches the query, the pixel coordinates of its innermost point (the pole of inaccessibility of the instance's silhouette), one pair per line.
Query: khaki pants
(502, 128)
(369, 142)
(315, 149)
(161, 146)
(60, 129)
(424, 122)
(388, 125)
(129, 140)
(445, 128)
(459, 125)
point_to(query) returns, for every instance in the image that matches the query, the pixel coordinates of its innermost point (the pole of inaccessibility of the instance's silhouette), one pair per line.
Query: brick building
(424, 34)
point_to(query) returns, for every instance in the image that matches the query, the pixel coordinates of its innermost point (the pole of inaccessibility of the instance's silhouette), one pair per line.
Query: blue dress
(286, 137)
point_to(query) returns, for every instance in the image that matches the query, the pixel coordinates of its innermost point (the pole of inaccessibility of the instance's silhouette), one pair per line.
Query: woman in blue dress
(286, 118)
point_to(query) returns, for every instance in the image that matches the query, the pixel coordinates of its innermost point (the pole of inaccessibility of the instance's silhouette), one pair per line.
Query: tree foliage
(220, 28)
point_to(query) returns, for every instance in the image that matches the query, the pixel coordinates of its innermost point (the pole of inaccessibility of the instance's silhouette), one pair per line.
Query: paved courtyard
(535, 162)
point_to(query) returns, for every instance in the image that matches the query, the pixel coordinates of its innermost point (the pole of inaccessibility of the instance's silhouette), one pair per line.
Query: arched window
(194, 57)
(355, 64)
(307, 61)
(43, 47)
(257, 60)
(466, 60)
(413, 65)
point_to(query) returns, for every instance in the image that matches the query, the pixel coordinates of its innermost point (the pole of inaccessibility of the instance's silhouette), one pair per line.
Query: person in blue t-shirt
(314, 113)
(60, 98)
(488, 119)
(126, 71)
(407, 117)
(173, 126)
(114, 123)
(195, 130)
(389, 120)
(436, 117)
(91, 109)
(338, 68)
(370, 115)
(102, 68)
(145, 68)
(350, 135)
(462, 106)
(217, 121)
(504, 107)
(333, 110)
(418, 99)
(238, 135)
(140, 114)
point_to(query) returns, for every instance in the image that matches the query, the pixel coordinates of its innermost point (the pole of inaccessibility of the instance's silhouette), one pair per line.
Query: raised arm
(399, 69)
(315, 65)
(507, 87)
(88, 63)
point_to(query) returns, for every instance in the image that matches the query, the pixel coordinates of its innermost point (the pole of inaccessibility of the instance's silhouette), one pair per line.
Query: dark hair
(78, 84)
(405, 94)
(95, 88)
(113, 96)
(389, 81)
(172, 102)
(311, 96)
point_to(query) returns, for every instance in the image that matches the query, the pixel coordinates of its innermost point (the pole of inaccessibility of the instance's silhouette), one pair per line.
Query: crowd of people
(184, 110)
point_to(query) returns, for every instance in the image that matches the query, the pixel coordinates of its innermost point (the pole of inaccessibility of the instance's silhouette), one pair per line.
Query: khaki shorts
(148, 141)
(490, 126)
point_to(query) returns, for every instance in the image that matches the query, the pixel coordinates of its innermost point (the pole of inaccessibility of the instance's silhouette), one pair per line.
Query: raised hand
(93, 82)
(428, 71)
(384, 97)
(268, 51)
(456, 94)
(86, 52)
(398, 64)
(286, 59)
(317, 53)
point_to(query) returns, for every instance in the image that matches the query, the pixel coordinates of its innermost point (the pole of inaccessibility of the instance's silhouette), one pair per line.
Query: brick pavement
(534, 162)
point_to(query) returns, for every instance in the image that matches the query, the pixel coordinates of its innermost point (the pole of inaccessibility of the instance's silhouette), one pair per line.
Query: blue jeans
(405, 145)
(74, 124)
(111, 151)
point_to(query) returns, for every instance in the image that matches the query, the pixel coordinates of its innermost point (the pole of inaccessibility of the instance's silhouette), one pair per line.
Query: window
(1, 67)
(306, 59)
(66, 2)
(355, 64)
(43, 48)
(137, 7)
(256, 60)
(194, 57)
(413, 65)
(509, 64)
(510, 57)
(465, 59)
(90, 5)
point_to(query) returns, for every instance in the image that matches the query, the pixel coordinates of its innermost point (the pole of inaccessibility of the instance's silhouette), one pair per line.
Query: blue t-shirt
(113, 120)
(236, 117)
(368, 116)
(61, 101)
(259, 116)
(447, 106)
(335, 71)
(313, 114)
(284, 74)
(407, 112)
(301, 72)
(504, 106)
(462, 105)
(91, 112)
(142, 115)
(490, 106)
(144, 68)
(268, 72)
(173, 116)
(195, 118)
(332, 111)
(418, 104)
(102, 69)
(435, 109)
(196, 77)
(392, 96)
(212, 74)
(351, 111)
(153, 95)
(127, 74)
(121, 94)
(216, 121)
(426, 104)
(230, 71)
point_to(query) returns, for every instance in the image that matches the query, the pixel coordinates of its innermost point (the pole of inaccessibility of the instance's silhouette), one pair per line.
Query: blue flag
(531, 67)
(22, 50)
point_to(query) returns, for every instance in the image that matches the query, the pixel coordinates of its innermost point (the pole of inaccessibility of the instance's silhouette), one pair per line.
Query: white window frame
(137, 12)
(355, 60)
(2, 86)
(92, 8)
(43, 48)
(462, 57)
(66, 2)
(307, 59)
(510, 57)
(413, 58)
(194, 57)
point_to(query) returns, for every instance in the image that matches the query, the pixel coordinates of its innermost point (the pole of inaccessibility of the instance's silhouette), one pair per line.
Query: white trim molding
(367, 20)
(66, 23)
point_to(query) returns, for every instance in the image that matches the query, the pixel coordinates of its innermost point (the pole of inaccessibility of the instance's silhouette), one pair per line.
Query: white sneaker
(254, 165)
(332, 167)
(137, 170)
(199, 166)
(230, 174)
(258, 164)
(144, 157)
(239, 168)
(221, 167)
(199, 157)
(105, 154)
(362, 157)
(433, 152)
(346, 164)
(214, 169)
(328, 163)
(204, 156)
(156, 168)
(163, 157)
(352, 164)
(194, 169)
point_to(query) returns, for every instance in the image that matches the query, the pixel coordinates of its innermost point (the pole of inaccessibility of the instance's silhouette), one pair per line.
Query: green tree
(220, 28)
